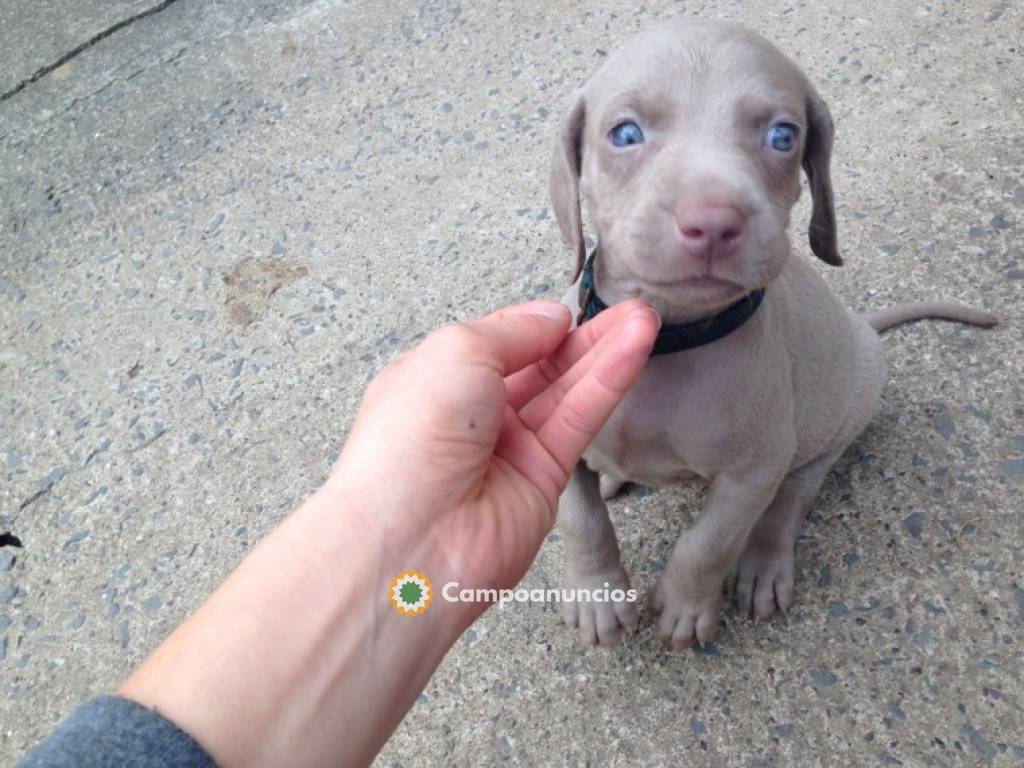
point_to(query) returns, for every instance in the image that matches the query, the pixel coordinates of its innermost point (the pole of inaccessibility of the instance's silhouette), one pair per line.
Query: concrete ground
(220, 219)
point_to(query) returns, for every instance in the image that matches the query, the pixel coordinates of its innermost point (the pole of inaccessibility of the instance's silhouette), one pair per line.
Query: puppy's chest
(652, 436)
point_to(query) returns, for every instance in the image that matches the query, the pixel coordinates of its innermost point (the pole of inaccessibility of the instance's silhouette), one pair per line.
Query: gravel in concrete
(218, 222)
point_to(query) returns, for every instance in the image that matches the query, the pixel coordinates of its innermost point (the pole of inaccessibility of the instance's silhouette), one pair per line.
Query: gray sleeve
(110, 732)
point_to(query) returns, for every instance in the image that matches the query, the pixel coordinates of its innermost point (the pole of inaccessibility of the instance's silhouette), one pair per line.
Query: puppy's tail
(898, 314)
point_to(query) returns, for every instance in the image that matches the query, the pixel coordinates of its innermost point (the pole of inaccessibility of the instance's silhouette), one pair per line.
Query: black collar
(677, 336)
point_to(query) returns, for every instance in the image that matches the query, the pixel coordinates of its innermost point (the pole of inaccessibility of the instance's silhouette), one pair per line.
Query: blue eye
(781, 136)
(626, 134)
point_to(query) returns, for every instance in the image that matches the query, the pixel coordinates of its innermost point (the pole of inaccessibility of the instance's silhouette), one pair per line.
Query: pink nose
(711, 230)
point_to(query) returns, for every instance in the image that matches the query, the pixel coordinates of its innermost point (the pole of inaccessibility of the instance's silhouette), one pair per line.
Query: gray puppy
(687, 145)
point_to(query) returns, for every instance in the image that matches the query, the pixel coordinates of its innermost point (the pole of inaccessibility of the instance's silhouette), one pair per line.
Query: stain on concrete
(252, 282)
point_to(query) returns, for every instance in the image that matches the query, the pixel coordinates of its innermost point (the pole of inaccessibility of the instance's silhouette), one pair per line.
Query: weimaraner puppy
(687, 145)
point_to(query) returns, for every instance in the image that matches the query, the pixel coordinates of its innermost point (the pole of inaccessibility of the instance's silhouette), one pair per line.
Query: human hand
(454, 466)
(463, 444)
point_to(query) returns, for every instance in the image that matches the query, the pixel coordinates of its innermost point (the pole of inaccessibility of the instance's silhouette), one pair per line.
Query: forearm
(328, 692)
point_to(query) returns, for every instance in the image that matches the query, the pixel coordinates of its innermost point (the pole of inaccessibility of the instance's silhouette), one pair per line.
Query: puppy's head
(687, 146)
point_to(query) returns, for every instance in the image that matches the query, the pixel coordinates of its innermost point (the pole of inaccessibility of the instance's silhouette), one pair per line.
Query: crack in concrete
(30, 500)
(74, 101)
(44, 71)
(149, 442)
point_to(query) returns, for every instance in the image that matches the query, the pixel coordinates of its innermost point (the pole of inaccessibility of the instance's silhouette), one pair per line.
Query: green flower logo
(410, 593)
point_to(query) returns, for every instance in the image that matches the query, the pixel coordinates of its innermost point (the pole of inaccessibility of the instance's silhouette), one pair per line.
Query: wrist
(377, 552)
(399, 652)
(397, 531)
(307, 614)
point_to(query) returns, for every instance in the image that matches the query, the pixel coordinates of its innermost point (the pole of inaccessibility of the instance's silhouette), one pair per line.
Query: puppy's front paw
(763, 580)
(600, 622)
(686, 612)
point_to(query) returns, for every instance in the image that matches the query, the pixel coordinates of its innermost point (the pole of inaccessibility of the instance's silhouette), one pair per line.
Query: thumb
(512, 338)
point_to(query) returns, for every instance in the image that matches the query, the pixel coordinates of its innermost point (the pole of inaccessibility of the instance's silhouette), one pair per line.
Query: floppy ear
(566, 162)
(817, 154)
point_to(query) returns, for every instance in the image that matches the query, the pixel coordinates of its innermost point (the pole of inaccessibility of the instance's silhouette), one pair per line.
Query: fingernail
(550, 309)
(647, 309)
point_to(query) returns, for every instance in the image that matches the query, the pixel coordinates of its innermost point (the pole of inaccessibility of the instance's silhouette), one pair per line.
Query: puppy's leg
(592, 562)
(763, 580)
(688, 596)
